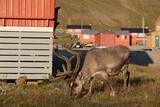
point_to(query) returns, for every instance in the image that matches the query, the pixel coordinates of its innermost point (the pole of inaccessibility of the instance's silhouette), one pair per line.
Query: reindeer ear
(79, 75)
(71, 84)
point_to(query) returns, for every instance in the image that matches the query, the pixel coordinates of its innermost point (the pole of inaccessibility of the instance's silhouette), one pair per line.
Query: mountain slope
(108, 14)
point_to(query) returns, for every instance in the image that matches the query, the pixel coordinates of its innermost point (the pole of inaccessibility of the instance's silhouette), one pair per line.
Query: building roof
(94, 32)
(121, 32)
(157, 20)
(91, 32)
(136, 30)
(78, 26)
(108, 32)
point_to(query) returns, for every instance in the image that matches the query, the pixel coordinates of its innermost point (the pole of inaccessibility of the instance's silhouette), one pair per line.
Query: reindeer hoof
(113, 93)
(88, 95)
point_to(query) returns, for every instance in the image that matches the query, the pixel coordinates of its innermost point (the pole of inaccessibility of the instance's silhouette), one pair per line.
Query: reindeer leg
(113, 93)
(126, 76)
(90, 88)
(105, 76)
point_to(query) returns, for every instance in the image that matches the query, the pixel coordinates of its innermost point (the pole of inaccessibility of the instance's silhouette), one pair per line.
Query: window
(85, 36)
(158, 27)
(134, 34)
(78, 30)
(124, 37)
(70, 30)
(141, 35)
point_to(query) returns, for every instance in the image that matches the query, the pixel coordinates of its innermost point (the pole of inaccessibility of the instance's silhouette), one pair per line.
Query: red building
(106, 38)
(138, 35)
(76, 29)
(88, 36)
(122, 38)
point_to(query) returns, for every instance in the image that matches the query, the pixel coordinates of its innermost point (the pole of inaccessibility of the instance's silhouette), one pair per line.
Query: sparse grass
(64, 39)
(108, 14)
(145, 92)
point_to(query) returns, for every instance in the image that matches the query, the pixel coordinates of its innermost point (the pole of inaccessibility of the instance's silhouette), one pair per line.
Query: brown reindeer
(108, 61)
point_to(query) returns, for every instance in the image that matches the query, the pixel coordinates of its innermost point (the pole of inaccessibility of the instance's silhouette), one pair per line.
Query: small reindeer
(108, 61)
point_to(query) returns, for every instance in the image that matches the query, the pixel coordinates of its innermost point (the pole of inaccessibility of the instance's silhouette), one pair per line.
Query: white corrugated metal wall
(25, 53)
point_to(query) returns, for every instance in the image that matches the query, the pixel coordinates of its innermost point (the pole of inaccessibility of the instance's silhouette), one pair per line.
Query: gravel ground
(145, 56)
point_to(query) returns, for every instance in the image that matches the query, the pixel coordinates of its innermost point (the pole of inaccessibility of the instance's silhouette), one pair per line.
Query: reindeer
(108, 62)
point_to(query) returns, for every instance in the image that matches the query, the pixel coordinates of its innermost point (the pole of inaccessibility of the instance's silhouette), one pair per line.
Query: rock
(40, 81)
(21, 80)
(32, 83)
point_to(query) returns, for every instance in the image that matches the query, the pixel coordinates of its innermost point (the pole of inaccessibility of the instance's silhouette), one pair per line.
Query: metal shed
(26, 38)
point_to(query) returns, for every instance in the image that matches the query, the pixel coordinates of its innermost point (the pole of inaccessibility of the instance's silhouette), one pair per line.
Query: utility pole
(81, 17)
(143, 26)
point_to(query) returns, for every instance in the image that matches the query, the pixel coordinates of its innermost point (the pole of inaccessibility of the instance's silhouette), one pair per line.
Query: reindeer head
(77, 86)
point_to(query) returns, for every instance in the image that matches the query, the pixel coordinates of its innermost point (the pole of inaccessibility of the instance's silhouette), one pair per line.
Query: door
(157, 41)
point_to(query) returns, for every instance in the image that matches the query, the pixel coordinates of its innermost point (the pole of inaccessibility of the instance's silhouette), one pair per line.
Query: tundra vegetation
(110, 14)
(145, 92)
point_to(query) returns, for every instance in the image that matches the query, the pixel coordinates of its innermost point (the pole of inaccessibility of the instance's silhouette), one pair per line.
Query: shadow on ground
(143, 58)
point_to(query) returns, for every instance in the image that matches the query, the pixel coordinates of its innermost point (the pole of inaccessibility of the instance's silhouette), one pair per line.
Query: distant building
(137, 33)
(153, 40)
(103, 38)
(88, 36)
(157, 24)
(76, 29)
(123, 37)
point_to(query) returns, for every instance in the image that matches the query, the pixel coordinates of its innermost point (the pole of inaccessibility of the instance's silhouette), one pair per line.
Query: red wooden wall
(122, 40)
(97, 40)
(109, 37)
(106, 39)
(133, 40)
(35, 13)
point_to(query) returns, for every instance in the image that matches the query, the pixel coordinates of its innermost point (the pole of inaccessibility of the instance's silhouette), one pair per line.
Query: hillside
(108, 14)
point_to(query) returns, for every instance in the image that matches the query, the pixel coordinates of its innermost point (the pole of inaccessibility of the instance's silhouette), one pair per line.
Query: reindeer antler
(67, 71)
(75, 72)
